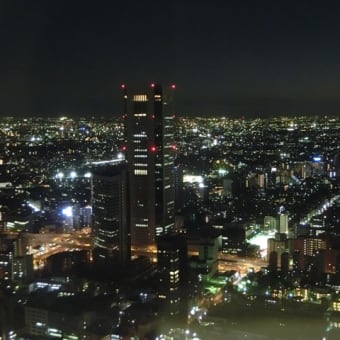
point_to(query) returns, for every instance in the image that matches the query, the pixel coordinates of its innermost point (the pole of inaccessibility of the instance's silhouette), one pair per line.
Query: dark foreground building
(110, 214)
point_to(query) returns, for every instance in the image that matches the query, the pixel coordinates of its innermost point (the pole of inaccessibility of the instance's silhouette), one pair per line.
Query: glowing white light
(116, 160)
(120, 155)
(261, 240)
(192, 179)
(73, 174)
(59, 175)
(33, 206)
(67, 211)
(88, 175)
(222, 172)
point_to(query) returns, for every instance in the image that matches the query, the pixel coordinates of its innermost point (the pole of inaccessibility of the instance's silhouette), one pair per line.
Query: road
(240, 264)
(77, 240)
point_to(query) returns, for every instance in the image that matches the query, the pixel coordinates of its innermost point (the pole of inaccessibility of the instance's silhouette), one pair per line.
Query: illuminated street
(41, 250)
(242, 265)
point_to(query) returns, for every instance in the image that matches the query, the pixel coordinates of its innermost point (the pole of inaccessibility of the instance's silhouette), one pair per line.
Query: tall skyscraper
(150, 152)
(178, 184)
(172, 271)
(284, 223)
(337, 165)
(110, 213)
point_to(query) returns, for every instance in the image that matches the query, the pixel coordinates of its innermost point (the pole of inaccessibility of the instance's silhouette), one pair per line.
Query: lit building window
(141, 225)
(140, 172)
(140, 98)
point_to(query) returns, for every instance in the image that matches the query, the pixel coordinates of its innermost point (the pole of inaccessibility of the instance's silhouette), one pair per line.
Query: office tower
(178, 185)
(6, 259)
(337, 165)
(22, 268)
(228, 187)
(309, 245)
(86, 216)
(297, 260)
(284, 223)
(172, 271)
(2, 220)
(110, 213)
(285, 262)
(277, 245)
(270, 223)
(272, 261)
(150, 153)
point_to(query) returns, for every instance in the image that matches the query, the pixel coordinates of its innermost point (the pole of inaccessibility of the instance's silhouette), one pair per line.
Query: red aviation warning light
(173, 86)
(124, 148)
(174, 147)
(152, 85)
(123, 86)
(153, 148)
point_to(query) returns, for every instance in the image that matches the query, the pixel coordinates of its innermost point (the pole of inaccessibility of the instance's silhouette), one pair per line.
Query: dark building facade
(110, 213)
(178, 185)
(172, 265)
(150, 152)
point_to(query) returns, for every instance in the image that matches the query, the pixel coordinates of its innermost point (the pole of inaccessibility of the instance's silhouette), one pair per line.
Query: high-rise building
(278, 245)
(309, 245)
(172, 271)
(110, 213)
(178, 185)
(270, 223)
(337, 165)
(284, 223)
(150, 152)
(22, 268)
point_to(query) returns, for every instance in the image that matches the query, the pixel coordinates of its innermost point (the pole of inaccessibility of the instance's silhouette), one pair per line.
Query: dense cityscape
(158, 226)
(169, 170)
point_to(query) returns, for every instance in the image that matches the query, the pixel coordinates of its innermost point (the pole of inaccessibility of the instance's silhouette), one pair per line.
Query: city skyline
(256, 243)
(226, 59)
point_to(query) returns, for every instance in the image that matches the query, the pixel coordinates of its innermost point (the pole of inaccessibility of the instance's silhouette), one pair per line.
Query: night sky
(226, 57)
